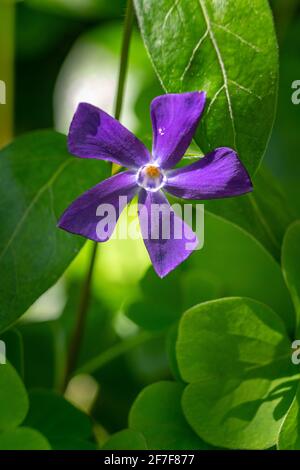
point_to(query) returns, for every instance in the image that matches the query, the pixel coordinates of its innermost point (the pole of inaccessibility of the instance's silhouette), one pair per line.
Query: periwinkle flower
(175, 117)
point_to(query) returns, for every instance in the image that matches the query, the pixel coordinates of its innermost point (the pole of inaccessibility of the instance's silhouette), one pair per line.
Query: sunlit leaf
(228, 49)
(23, 439)
(291, 264)
(126, 440)
(13, 398)
(236, 357)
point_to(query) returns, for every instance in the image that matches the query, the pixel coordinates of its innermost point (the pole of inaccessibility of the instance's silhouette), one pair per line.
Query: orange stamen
(152, 171)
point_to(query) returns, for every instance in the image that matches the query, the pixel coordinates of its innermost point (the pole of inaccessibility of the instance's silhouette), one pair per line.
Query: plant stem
(124, 57)
(83, 306)
(7, 30)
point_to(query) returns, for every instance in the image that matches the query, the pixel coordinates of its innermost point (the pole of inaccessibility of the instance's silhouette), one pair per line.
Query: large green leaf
(289, 437)
(228, 49)
(265, 214)
(242, 268)
(23, 439)
(38, 181)
(13, 398)
(291, 264)
(58, 420)
(235, 355)
(212, 272)
(14, 349)
(157, 414)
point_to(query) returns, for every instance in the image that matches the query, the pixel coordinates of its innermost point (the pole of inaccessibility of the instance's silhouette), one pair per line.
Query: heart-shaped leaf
(23, 439)
(157, 414)
(236, 357)
(13, 398)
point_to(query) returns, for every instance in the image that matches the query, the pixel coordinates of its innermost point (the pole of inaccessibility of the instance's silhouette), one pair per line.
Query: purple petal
(166, 248)
(95, 134)
(217, 175)
(175, 118)
(95, 213)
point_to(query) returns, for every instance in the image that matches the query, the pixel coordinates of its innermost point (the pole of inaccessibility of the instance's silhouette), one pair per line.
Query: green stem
(124, 57)
(7, 14)
(83, 306)
(116, 351)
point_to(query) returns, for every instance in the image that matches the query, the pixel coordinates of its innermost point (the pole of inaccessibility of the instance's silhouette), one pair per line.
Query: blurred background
(54, 54)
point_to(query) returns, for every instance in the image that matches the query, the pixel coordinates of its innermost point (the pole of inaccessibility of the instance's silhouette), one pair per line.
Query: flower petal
(168, 239)
(219, 174)
(174, 121)
(95, 213)
(95, 134)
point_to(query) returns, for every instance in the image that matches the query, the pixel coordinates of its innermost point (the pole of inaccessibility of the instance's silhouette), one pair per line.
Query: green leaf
(14, 349)
(126, 440)
(242, 268)
(163, 300)
(236, 357)
(37, 184)
(171, 340)
(99, 333)
(265, 214)
(157, 414)
(291, 264)
(42, 355)
(228, 49)
(23, 439)
(13, 398)
(58, 420)
(289, 437)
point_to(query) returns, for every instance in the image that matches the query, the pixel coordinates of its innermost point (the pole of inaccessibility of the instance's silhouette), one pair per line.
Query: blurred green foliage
(210, 369)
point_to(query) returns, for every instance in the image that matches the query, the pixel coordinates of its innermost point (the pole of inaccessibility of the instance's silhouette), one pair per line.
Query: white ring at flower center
(151, 177)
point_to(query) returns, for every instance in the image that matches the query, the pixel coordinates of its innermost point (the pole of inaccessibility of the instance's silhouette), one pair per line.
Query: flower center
(150, 177)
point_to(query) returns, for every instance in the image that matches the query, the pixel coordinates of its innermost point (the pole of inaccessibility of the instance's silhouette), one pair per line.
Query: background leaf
(64, 425)
(126, 440)
(23, 439)
(37, 184)
(291, 264)
(235, 355)
(42, 353)
(157, 414)
(289, 437)
(13, 398)
(194, 45)
(86, 9)
(14, 349)
(265, 214)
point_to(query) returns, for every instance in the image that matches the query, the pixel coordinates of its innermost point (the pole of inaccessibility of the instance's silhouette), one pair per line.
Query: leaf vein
(194, 52)
(222, 67)
(237, 36)
(32, 204)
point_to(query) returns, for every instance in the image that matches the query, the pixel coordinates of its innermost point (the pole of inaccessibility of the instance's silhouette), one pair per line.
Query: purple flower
(95, 134)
